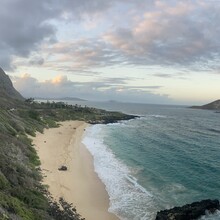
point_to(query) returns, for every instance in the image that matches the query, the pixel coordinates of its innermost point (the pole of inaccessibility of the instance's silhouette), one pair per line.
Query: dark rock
(189, 211)
(9, 98)
(6, 87)
(112, 119)
(62, 168)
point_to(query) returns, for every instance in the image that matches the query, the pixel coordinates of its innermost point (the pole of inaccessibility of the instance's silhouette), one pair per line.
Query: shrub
(33, 157)
(3, 182)
(15, 206)
(34, 115)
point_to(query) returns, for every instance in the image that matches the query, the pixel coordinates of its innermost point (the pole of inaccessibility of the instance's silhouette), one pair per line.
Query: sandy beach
(79, 185)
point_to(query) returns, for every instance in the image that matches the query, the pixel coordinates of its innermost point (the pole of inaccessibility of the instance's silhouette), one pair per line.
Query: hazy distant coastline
(62, 99)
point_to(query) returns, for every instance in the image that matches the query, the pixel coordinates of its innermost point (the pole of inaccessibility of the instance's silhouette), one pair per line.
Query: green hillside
(22, 196)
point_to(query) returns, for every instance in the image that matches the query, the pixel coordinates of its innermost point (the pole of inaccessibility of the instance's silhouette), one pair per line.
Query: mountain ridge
(215, 105)
(9, 96)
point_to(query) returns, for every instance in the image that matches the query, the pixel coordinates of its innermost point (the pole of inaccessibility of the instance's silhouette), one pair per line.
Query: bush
(16, 207)
(24, 139)
(34, 115)
(3, 182)
(32, 198)
(50, 123)
(33, 157)
(30, 131)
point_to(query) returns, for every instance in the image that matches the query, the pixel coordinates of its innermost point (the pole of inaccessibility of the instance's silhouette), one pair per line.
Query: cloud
(36, 60)
(169, 33)
(102, 90)
(25, 24)
(172, 33)
(82, 55)
(23, 27)
(5, 57)
(61, 81)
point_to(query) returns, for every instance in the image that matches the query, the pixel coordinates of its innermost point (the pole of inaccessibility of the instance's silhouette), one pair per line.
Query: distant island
(210, 106)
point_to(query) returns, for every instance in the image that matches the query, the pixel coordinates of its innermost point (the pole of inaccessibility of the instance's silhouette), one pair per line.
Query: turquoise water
(167, 157)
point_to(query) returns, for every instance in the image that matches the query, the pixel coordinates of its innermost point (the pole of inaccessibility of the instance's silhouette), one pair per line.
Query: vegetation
(22, 195)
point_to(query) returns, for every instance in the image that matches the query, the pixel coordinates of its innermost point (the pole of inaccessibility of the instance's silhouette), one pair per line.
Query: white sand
(79, 185)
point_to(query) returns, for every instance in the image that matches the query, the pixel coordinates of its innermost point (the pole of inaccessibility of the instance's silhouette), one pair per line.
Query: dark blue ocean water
(168, 157)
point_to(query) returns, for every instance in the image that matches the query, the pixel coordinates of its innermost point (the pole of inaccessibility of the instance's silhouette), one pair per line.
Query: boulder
(189, 211)
(62, 168)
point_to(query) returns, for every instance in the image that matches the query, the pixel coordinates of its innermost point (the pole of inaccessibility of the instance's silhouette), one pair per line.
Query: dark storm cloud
(23, 27)
(25, 24)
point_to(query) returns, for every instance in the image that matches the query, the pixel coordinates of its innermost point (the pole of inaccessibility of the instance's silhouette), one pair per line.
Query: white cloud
(172, 33)
(133, 32)
(166, 33)
(102, 90)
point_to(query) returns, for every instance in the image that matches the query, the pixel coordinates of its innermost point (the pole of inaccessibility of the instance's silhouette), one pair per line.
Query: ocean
(168, 157)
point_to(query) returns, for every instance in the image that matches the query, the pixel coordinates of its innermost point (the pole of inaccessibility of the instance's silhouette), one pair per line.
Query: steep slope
(210, 106)
(22, 196)
(9, 96)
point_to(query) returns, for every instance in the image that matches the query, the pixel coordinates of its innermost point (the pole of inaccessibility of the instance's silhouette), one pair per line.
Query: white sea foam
(128, 199)
(208, 216)
(157, 116)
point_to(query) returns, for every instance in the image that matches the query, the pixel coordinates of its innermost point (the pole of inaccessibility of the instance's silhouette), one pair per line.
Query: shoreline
(79, 185)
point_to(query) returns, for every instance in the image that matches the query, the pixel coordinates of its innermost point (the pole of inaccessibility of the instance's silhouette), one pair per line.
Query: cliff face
(9, 96)
(211, 106)
(6, 87)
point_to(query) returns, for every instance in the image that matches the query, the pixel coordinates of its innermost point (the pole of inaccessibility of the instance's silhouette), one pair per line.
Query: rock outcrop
(9, 96)
(62, 168)
(189, 211)
(6, 87)
(211, 106)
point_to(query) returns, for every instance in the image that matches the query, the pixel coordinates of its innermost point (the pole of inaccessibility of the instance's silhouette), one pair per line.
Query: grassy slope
(20, 189)
(21, 194)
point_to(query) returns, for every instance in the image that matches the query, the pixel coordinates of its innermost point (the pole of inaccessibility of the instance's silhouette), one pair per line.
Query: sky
(146, 51)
